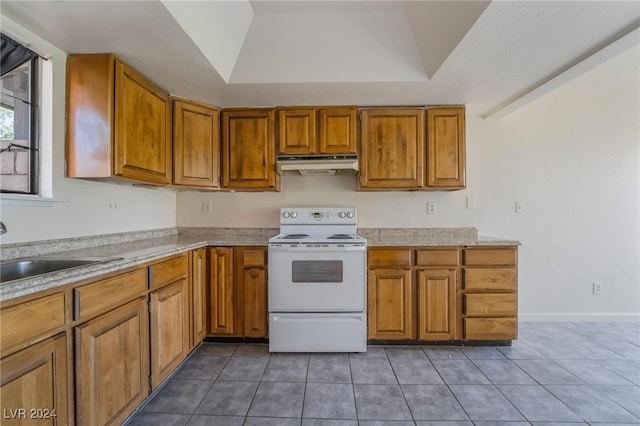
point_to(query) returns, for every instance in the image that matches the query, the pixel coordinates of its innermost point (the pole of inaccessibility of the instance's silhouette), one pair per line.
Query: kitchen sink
(28, 268)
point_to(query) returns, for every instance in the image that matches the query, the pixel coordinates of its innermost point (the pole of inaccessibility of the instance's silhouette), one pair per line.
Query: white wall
(82, 208)
(572, 158)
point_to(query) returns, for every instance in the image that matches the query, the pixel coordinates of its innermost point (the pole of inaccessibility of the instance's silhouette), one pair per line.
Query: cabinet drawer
(439, 257)
(168, 271)
(31, 321)
(490, 328)
(254, 257)
(490, 304)
(98, 297)
(503, 279)
(490, 257)
(389, 257)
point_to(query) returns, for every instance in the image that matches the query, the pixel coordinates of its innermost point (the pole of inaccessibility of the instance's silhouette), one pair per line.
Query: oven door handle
(314, 247)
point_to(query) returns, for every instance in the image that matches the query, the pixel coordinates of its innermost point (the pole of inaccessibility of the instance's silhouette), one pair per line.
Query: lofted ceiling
(491, 56)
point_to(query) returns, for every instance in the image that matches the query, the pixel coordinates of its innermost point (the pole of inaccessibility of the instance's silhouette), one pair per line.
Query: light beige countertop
(132, 249)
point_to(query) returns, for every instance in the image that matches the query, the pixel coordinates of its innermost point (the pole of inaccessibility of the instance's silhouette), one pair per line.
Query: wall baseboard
(580, 317)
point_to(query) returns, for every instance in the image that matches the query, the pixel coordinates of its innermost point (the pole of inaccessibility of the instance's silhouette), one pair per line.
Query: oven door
(317, 279)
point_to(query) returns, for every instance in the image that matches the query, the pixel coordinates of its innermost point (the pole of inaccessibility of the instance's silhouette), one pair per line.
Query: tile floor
(554, 374)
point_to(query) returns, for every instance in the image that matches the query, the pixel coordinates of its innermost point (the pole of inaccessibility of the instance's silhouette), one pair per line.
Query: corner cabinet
(118, 122)
(311, 130)
(196, 145)
(248, 150)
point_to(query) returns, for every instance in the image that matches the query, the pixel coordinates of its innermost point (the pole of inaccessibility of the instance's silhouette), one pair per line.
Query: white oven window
(316, 271)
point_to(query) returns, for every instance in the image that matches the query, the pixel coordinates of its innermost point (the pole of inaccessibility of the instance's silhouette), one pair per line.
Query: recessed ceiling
(265, 53)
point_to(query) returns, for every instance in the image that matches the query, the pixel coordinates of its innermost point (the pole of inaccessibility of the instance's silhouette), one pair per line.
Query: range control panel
(318, 215)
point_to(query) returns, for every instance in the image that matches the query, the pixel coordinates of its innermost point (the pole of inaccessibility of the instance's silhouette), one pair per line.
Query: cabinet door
(196, 145)
(392, 149)
(112, 365)
(391, 304)
(222, 296)
(446, 148)
(254, 286)
(248, 150)
(33, 385)
(199, 295)
(169, 329)
(297, 131)
(142, 150)
(436, 304)
(337, 130)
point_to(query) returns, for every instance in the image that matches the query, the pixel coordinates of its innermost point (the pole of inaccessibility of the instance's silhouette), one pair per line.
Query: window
(18, 119)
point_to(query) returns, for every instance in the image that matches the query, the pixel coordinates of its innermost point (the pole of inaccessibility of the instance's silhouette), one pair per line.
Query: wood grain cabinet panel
(297, 130)
(391, 301)
(248, 150)
(490, 304)
(490, 328)
(491, 279)
(446, 147)
(169, 329)
(112, 365)
(490, 257)
(199, 295)
(33, 385)
(392, 148)
(196, 144)
(317, 131)
(254, 289)
(381, 257)
(118, 122)
(223, 298)
(438, 257)
(436, 304)
(168, 271)
(31, 321)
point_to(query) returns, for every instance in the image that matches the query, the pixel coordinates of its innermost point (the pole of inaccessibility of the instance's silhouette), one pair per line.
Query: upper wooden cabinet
(309, 130)
(248, 150)
(196, 144)
(446, 147)
(392, 148)
(396, 154)
(118, 122)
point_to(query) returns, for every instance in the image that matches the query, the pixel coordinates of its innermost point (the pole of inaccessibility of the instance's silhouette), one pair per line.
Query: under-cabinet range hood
(323, 165)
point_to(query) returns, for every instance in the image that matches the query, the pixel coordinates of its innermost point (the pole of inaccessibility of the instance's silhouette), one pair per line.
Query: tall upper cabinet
(118, 122)
(248, 150)
(446, 147)
(196, 145)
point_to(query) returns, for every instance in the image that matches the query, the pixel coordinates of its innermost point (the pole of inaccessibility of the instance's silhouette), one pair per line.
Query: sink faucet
(3, 229)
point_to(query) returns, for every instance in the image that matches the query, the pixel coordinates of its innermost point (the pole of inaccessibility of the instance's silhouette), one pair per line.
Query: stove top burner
(294, 236)
(340, 237)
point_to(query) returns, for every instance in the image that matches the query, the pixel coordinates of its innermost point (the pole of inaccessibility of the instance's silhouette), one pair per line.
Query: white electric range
(317, 282)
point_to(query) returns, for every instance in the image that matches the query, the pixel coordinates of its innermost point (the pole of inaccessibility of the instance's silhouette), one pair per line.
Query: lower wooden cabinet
(489, 294)
(33, 385)
(238, 291)
(198, 280)
(391, 304)
(170, 329)
(436, 304)
(223, 298)
(112, 364)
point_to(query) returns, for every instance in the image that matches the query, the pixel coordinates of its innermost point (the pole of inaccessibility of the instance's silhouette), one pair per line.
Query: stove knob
(342, 215)
(285, 215)
(294, 215)
(350, 215)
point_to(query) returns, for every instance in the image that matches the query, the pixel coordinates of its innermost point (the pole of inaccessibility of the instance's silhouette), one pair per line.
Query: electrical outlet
(519, 207)
(111, 205)
(597, 288)
(207, 207)
(432, 208)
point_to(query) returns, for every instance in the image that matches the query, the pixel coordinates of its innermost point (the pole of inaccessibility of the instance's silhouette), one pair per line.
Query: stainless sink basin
(27, 268)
